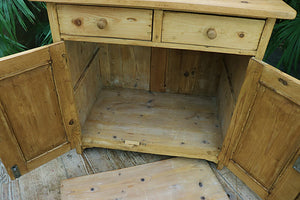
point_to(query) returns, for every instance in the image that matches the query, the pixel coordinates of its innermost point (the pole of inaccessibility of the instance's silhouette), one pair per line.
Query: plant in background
(286, 36)
(23, 25)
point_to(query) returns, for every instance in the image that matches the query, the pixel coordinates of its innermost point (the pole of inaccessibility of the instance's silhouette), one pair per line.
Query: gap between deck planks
(43, 183)
(159, 123)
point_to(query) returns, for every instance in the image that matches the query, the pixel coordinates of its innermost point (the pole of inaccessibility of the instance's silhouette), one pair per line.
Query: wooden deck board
(158, 123)
(176, 178)
(101, 160)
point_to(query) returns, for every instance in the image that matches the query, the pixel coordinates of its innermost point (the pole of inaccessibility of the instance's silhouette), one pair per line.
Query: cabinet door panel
(38, 115)
(31, 104)
(269, 137)
(264, 133)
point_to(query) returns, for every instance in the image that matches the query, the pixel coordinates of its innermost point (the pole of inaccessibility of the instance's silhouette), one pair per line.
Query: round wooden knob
(211, 33)
(102, 23)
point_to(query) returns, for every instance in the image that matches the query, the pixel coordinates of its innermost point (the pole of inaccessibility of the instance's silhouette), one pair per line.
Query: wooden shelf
(158, 123)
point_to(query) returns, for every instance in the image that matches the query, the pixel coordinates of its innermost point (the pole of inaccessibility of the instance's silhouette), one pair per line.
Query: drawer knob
(211, 33)
(102, 23)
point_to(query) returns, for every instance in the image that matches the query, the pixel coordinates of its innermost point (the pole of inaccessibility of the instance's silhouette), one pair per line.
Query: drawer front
(105, 22)
(209, 30)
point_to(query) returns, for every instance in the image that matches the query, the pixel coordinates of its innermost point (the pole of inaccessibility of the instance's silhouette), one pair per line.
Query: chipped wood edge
(265, 37)
(53, 20)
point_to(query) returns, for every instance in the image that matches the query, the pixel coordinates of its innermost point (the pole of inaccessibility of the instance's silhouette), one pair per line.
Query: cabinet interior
(154, 100)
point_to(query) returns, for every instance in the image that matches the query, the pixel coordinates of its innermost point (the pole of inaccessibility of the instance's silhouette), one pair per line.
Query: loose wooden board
(176, 178)
(159, 123)
(247, 8)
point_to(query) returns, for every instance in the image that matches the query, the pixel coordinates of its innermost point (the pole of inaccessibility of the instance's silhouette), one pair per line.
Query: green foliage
(286, 35)
(23, 25)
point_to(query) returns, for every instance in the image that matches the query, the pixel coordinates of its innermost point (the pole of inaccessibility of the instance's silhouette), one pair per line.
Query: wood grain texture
(157, 25)
(241, 110)
(125, 66)
(232, 78)
(159, 62)
(24, 61)
(37, 105)
(29, 120)
(191, 72)
(265, 155)
(176, 178)
(65, 95)
(236, 67)
(225, 102)
(158, 44)
(88, 88)
(250, 8)
(44, 182)
(288, 184)
(121, 22)
(266, 134)
(53, 21)
(103, 160)
(158, 123)
(10, 146)
(265, 37)
(234, 187)
(80, 55)
(237, 33)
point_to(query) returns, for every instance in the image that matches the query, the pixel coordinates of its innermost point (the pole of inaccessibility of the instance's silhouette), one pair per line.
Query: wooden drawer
(209, 30)
(105, 22)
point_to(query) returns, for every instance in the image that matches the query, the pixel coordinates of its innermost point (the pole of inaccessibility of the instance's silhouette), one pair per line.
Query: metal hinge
(16, 171)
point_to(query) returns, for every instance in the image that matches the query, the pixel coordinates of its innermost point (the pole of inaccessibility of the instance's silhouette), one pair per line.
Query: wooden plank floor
(174, 179)
(43, 183)
(159, 123)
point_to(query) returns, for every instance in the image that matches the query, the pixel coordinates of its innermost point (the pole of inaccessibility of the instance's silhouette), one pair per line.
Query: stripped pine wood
(77, 62)
(155, 122)
(38, 116)
(159, 62)
(236, 68)
(232, 78)
(87, 88)
(259, 159)
(29, 121)
(225, 102)
(158, 44)
(288, 185)
(191, 72)
(53, 21)
(44, 182)
(99, 160)
(234, 187)
(102, 160)
(62, 77)
(239, 33)
(125, 66)
(119, 22)
(250, 8)
(265, 37)
(175, 178)
(157, 25)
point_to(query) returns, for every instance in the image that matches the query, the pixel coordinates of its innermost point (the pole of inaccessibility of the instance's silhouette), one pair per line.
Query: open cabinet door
(264, 134)
(38, 117)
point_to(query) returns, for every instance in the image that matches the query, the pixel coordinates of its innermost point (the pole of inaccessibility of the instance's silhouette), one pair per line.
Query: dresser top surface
(244, 8)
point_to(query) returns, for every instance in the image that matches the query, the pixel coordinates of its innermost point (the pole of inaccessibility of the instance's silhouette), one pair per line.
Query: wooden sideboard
(168, 77)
